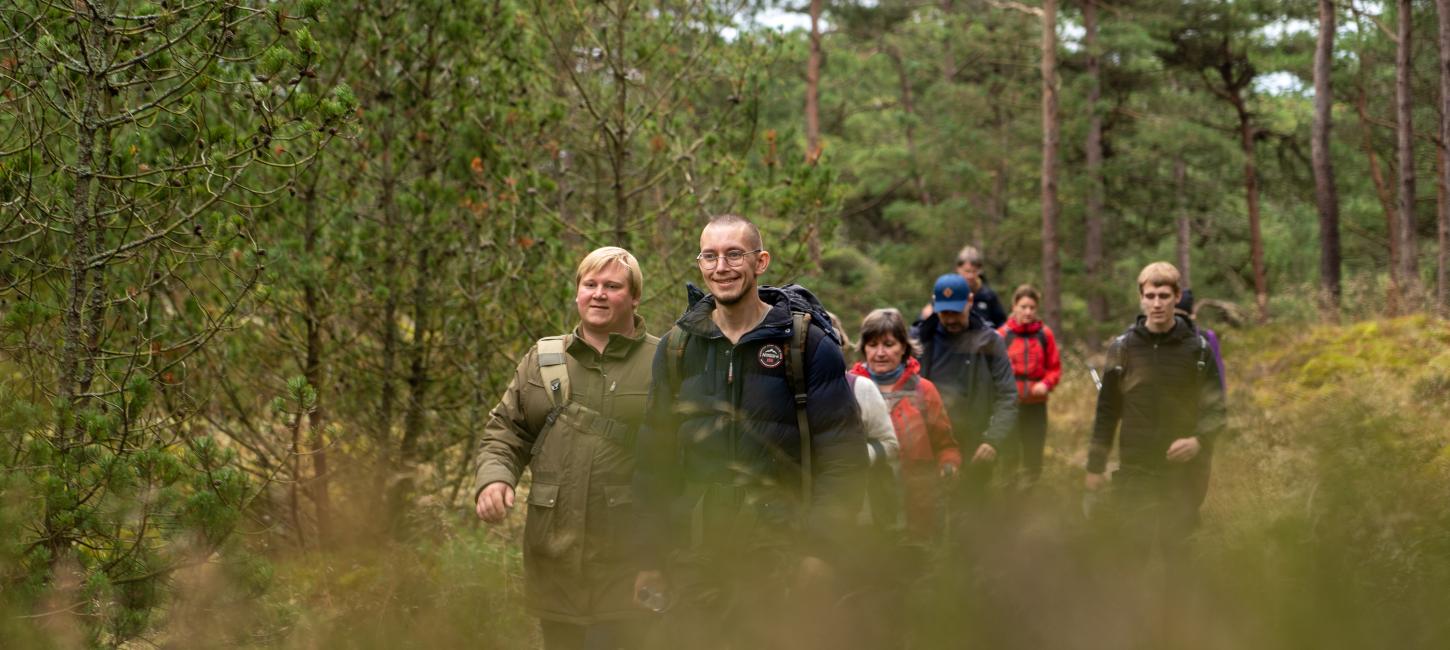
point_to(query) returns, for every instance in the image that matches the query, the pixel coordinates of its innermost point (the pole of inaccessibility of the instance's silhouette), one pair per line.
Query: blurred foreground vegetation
(1325, 527)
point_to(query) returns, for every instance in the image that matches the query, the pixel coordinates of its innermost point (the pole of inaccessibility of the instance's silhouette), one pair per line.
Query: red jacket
(923, 436)
(1033, 351)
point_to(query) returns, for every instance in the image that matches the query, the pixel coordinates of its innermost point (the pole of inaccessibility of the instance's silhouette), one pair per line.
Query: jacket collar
(1024, 328)
(1182, 329)
(777, 322)
(619, 345)
(913, 367)
(931, 327)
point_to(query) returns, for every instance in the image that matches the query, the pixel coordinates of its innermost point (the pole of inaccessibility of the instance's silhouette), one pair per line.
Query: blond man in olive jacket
(570, 415)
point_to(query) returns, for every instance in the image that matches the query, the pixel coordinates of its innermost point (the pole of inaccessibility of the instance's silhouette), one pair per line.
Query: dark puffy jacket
(731, 424)
(974, 376)
(986, 304)
(1161, 387)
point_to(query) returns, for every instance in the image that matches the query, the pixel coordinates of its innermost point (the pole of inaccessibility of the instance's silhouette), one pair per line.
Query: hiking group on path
(715, 486)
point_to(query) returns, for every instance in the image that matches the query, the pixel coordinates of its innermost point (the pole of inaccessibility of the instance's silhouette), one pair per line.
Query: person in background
(929, 454)
(1203, 466)
(570, 415)
(883, 449)
(985, 303)
(1037, 368)
(968, 363)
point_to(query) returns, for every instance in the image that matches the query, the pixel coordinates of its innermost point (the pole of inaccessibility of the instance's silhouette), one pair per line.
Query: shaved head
(736, 221)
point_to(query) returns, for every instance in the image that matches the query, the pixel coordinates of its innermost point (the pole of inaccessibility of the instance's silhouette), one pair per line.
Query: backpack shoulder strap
(554, 369)
(800, 328)
(675, 355)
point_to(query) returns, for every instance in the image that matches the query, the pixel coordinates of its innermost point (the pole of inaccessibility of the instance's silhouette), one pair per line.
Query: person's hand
(1183, 449)
(1039, 389)
(494, 502)
(985, 454)
(649, 590)
(1094, 482)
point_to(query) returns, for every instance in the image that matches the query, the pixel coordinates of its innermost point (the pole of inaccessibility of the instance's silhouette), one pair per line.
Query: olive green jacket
(581, 459)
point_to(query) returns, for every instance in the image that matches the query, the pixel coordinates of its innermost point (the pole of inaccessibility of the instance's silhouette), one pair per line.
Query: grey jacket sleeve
(1004, 388)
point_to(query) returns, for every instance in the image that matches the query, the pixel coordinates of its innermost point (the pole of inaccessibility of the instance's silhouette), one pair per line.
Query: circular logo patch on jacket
(771, 356)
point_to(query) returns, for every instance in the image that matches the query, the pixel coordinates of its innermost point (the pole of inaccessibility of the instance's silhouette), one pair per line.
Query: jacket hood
(1182, 329)
(783, 300)
(1024, 328)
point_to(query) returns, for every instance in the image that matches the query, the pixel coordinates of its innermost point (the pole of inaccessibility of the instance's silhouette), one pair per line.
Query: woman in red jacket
(928, 452)
(1035, 362)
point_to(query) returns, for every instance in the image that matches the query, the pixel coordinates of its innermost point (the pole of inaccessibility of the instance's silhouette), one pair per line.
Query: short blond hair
(1160, 274)
(602, 257)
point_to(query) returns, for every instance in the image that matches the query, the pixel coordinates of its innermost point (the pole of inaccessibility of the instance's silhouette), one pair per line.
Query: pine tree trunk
(1093, 208)
(1051, 265)
(1326, 195)
(1442, 282)
(1409, 262)
(1251, 197)
(813, 88)
(1185, 226)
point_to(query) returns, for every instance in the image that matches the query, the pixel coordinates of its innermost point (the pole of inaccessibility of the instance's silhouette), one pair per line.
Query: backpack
(796, 377)
(908, 391)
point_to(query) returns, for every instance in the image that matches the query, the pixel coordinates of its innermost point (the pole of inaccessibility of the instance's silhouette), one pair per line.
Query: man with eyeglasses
(742, 497)
(1161, 397)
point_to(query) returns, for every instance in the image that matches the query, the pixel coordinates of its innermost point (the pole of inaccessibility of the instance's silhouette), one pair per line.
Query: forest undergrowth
(1324, 527)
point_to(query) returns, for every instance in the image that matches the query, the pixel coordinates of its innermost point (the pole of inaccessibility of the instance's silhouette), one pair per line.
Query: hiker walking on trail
(1037, 368)
(882, 447)
(985, 303)
(1161, 398)
(751, 458)
(929, 454)
(570, 415)
(968, 362)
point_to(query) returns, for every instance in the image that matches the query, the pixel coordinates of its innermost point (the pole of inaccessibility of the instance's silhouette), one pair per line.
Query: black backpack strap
(800, 326)
(675, 356)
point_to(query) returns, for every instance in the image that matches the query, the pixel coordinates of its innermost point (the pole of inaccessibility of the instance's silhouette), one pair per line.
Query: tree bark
(1326, 194)
(1247, 133)
(312, 370)
(1409, 262)
(1442, 282)
(813, 88)
(1093, 206)
(1185, 226)
(1051, 265)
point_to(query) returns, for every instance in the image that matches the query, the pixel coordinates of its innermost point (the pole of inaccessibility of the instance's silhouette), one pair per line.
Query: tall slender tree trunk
(1051, 265)
(1093, 206)
(1247, 133)
(948, 53)
(312, 370)
(621, 135)
(1377, 177)
(813, 87)
(1185, 224)
(1409, 262)
(1442, 273)
(1326, 195)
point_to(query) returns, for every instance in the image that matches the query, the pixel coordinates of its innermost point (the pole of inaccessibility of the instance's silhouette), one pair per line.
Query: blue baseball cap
(951, 293)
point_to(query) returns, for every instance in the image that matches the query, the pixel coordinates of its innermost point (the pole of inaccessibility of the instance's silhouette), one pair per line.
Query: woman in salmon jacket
(1037, 366)
(928, 454)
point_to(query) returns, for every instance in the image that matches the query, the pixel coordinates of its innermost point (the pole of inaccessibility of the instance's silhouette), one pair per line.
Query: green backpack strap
(800, 326)
(554, 369)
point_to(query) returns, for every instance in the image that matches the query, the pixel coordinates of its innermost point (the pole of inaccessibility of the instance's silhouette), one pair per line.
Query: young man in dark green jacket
(570, 416)
(1162, 399)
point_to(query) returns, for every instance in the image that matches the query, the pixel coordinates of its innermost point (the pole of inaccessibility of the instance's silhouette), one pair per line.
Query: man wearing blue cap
(967, 360)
